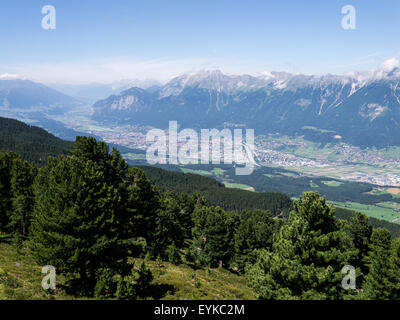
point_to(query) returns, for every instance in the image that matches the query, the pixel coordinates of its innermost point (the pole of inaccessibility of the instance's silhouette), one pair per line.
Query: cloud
(389, 64)
(9, 76)
(117, 68)
(163, 69)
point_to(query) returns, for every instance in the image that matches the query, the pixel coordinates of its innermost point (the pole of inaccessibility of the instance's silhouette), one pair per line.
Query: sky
(105, 41)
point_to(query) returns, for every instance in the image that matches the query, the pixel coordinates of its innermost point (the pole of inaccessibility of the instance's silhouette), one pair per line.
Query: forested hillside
(217, 194)
(32, 143)
(110, 233)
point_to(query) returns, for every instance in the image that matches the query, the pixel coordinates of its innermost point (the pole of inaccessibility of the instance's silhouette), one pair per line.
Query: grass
(238, 186)
(269, 175)
(200, 172)
(182, 282)
(332, 183)
(218, 171)
(389, 205)
(375, 211)
(134, 156)
(313, 185)
(21, 278)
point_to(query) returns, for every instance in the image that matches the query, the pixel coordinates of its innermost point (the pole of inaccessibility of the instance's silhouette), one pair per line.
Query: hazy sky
(103, 41)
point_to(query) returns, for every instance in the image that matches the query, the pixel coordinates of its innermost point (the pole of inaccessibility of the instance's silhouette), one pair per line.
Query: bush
(126, 289)
(105, 285)
(144, 278)
(173, 253)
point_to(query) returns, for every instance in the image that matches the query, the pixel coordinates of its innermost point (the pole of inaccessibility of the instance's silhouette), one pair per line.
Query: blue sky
(105, 41)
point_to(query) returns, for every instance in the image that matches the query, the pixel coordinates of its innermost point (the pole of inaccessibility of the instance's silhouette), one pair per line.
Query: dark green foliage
(22, 177)
(213, 235)
(360, 232)
(16, 193)
(91, 213)
(105, 286)
(393, 228)
(268, 179)
(173, 223)
(307, 257)
(255, 231)
(216, 194)
(6, 160)
(144, 277)
(381, 283)
(395, 266)
(32, 143)
(75, 225)
(126, 289)
(143, 203)
(173, 254)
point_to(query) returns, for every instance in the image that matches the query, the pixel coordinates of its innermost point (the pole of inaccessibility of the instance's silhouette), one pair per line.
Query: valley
(295, 136)
(335, 160)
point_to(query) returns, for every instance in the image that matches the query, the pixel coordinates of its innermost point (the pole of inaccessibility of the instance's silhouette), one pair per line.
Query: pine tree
(308, 255)
(360, 232)
(255, 231)
(143, 205)
(22, 177)
(213, 235)
(6, 160)
(395, 266)
(75, 223)
(378, 283)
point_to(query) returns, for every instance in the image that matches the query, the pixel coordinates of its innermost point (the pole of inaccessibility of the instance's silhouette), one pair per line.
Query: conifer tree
(308, 255)
(22, 177)
(360, 232)
(378, 283)
(6, 160)
(75, 223)
(213, 235)
(255, 231)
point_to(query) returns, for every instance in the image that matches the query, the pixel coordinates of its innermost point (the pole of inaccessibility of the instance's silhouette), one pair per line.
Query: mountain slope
(32, 143)
(26, 94)
(359, 109)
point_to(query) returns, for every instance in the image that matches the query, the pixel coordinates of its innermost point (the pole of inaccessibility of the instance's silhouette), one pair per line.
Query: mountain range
(91, 92)
(22, 94)
(359, 108)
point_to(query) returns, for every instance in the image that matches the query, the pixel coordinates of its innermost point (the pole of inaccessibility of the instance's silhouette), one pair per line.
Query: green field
(134, 156)
(375, 211)
(238, 186)
(218, 172)
(200, 172)
(332, 183)
(313, 185)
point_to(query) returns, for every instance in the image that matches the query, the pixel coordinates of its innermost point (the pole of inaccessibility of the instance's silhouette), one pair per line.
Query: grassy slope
(20, 278)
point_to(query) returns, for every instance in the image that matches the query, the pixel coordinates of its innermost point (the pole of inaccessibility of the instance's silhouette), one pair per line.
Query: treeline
(88, 214)
(217, 194)
(32, 143)
(313, 251)
(393, 228)
(274, 180)
(235, 199)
